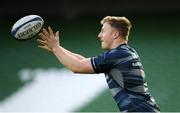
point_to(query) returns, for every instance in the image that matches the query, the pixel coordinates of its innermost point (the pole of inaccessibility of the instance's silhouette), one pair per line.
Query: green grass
(104, 103)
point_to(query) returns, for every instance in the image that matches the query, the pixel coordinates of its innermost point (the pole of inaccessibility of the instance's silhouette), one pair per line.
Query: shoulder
(119, 52)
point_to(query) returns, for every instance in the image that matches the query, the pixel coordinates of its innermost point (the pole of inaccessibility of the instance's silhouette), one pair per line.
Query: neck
(117, 43)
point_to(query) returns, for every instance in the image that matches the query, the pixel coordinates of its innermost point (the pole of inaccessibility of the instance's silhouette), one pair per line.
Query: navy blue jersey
(126, 78)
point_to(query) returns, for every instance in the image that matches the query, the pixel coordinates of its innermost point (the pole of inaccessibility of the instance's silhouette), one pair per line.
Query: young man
(120, 63)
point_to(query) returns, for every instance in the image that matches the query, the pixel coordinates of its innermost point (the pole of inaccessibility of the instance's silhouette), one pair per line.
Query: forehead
(106, 26)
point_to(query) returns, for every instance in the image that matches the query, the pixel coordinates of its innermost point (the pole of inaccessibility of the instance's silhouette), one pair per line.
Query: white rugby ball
(27, 27)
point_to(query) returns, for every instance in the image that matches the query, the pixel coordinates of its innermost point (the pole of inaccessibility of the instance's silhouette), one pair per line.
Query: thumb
(57, 34)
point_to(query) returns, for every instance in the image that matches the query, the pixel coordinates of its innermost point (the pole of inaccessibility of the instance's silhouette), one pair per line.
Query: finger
(41, 46)
(57, 35)
(45, 33)
(43, 36)
(50, 31)
(42, 41)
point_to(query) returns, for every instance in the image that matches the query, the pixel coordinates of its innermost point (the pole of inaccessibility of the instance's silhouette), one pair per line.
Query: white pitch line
(53, 90)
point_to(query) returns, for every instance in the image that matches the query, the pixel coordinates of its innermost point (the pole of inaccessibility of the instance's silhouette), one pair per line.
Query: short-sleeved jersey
(125, 76)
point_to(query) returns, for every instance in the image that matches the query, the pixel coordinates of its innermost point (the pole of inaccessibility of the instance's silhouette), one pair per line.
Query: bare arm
(72, 61)
(80, 57)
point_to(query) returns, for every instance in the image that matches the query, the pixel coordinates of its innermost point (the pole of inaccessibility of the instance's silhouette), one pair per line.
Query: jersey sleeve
(100, 63)
(104, 62)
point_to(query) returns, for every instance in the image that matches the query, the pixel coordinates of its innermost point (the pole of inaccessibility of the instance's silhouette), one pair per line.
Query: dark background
(71, 9)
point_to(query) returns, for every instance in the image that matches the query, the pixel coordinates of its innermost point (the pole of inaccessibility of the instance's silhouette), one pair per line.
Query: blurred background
(32, 79)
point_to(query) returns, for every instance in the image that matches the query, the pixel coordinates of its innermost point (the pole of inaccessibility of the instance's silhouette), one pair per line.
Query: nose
(99, 35)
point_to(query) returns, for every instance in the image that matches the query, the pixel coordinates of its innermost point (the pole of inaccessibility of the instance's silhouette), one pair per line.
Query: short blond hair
(122, 24)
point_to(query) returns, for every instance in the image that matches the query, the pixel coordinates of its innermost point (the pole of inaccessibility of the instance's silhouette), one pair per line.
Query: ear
(115, 34)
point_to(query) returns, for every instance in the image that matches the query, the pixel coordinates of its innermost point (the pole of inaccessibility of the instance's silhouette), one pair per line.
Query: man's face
(106, 36)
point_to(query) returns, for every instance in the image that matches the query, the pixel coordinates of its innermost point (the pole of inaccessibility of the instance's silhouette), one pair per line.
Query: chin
(104, 47)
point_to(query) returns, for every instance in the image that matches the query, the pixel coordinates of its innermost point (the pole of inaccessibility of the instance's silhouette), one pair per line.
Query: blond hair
(122, 24)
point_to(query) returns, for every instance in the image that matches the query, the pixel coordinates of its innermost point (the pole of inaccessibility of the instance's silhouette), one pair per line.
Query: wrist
(54, 49)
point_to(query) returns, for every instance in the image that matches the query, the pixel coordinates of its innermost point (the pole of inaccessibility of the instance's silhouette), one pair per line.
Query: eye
(102, 30)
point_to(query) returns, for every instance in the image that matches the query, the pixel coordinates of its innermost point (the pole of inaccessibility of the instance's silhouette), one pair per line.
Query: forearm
(73, 54)
(67, 58)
